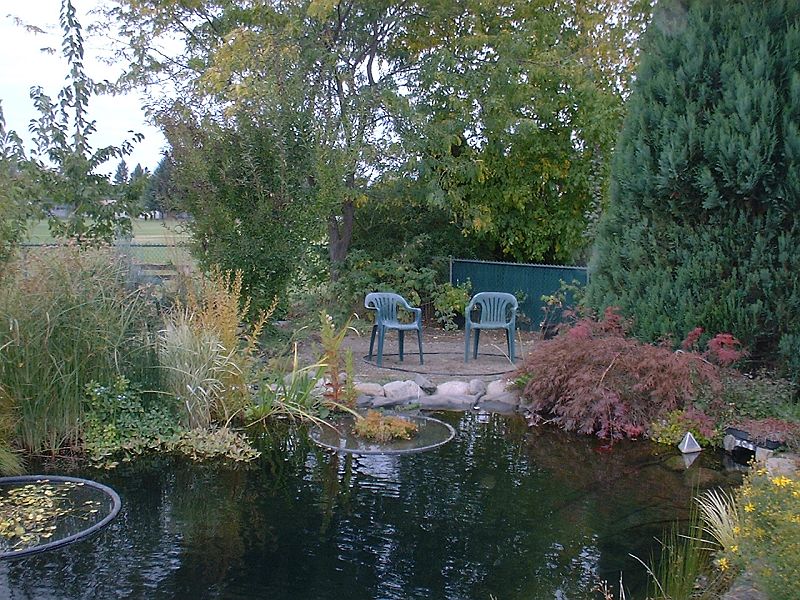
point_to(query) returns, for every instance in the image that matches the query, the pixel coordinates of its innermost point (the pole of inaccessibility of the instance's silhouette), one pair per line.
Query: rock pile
(497, 396)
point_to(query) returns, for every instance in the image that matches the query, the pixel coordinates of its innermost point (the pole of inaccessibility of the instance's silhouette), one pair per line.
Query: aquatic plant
(384, 428)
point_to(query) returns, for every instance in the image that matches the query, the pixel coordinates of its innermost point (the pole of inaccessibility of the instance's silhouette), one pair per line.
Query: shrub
(69, 319)
(384, 428)
(701, 226)
(595, 380)
(363, 275)
(450, 301)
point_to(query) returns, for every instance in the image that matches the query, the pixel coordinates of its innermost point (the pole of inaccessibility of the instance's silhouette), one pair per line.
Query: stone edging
(497, 396)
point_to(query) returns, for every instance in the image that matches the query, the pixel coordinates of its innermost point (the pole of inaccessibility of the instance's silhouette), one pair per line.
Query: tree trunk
(340, 233)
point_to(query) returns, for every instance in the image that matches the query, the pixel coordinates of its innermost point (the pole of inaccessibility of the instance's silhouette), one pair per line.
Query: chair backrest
(385, 303)
(496, 307)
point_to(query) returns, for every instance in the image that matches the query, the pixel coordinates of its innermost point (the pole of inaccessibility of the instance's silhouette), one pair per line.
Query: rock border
(497, 396)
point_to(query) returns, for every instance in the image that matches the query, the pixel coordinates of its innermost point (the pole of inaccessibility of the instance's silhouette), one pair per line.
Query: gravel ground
(443, 356)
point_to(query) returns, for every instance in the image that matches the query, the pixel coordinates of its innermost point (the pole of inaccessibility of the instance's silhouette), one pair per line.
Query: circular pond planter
(339, 437)
(45, 512)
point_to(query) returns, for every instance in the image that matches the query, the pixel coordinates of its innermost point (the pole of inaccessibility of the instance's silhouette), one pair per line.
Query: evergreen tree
(121, 174)
(702, 228)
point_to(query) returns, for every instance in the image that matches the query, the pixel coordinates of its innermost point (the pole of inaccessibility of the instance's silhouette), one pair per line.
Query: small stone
(425, 384)
(787, 465)
(495, 388)
(453, 388)
(477, 387)
(762, 454)
(370, 389)
(402, 390)
(494, 406)
(729, 443)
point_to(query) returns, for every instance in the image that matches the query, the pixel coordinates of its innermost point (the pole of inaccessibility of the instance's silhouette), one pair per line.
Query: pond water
(501, 512)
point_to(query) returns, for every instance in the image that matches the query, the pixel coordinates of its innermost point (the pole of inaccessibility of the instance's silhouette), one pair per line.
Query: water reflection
(502, 510)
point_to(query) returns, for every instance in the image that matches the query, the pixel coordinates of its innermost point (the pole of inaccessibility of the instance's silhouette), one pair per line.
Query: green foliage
(450, 301)
(119, 424)
(66, 161)
(769, 543)
(674, 426)
(760, 397)
(70, 319)
(251, 213)
(701, 229)
(521, 105)
(363, 275)
(15, 178)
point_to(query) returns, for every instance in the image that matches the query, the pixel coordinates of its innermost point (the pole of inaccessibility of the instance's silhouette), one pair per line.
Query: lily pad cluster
(31, 514)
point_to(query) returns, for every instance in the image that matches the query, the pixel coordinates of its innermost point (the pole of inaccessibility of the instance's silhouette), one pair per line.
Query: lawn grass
(154, 242)
(167, 231)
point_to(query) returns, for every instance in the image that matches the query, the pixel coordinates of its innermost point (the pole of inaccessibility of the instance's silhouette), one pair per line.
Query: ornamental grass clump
(206, 351)
(69, 318)
(384, 428)
(593, 379)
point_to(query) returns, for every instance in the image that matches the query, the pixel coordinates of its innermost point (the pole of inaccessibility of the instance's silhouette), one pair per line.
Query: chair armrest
(418, 312)
(468, 311)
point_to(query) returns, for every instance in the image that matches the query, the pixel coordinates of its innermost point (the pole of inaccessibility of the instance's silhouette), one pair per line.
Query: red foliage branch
(594, 380)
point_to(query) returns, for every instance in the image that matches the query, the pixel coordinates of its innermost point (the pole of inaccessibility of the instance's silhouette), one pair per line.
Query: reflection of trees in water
(502, 510)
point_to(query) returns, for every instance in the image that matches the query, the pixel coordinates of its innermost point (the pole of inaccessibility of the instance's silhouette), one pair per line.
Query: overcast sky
(23, 65)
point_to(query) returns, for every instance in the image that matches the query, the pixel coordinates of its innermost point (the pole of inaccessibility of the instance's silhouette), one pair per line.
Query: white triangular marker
(688, 444)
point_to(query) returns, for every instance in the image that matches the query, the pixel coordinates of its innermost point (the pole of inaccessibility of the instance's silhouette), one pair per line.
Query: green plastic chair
(386, 306)
(498, 310)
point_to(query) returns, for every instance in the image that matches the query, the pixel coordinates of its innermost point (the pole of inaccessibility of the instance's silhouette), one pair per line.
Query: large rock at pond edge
(369, 389)
(453, 388)
(511, 397)
(495, 388)
(402, 390)
(425, 384)
(784, 464)
(383, 402)
(494, 406)
(477, 387)
(447, 402)
(365, 401)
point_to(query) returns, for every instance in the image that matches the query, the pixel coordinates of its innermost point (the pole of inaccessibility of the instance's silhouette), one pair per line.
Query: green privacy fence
(527, 281)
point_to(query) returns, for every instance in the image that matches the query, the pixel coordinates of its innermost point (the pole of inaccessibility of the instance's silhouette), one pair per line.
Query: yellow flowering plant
(768, 534)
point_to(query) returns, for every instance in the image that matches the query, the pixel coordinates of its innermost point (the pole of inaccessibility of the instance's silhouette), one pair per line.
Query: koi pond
(500, 512)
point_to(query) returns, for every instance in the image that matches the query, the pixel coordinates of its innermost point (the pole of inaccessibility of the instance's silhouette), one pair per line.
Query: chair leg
(372, 340)
(381, 335)
(466, 342)
(400, 335)
(510, 339)
(477, 337)
(419, 342)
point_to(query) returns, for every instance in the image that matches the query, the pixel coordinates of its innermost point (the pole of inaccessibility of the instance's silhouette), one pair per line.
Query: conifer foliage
(702, 229)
